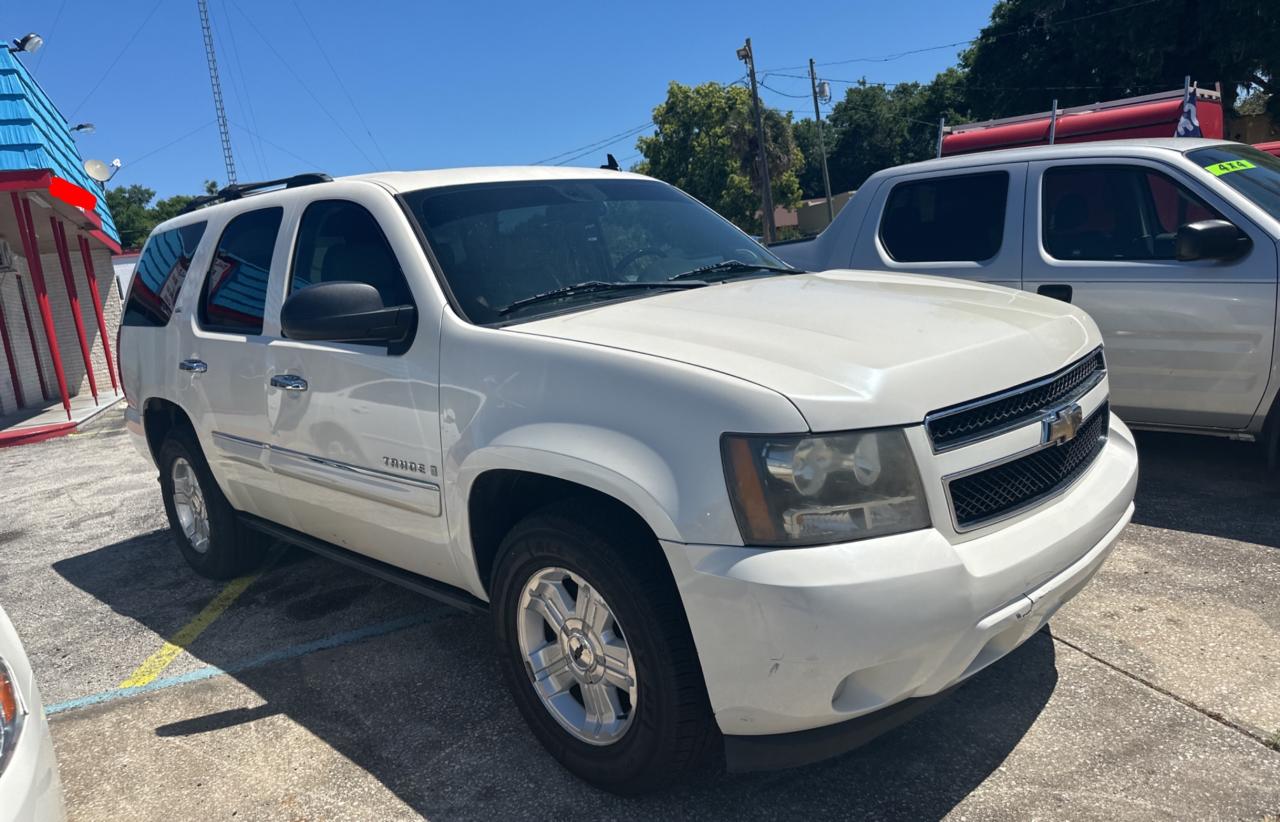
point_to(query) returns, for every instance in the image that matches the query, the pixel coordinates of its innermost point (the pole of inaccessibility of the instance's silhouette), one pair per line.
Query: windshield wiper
(732, 267)
(589, 287)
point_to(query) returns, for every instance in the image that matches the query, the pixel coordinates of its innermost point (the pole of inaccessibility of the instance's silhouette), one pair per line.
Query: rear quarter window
(159, 275)
(946, 219)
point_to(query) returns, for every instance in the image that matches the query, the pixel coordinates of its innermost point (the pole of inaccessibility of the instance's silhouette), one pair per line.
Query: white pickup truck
(1169, 244)
(708, 499)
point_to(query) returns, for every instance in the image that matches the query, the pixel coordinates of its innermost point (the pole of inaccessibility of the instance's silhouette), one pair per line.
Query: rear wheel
(202, 521)
(597, 653)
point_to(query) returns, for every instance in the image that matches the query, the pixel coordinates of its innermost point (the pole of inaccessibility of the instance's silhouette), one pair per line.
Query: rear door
(355, 429)
(1188, 343)
(965, 223)
(221, 362)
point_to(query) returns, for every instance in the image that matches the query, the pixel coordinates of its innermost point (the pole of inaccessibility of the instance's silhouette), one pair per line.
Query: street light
(30, 43)
(83, 128)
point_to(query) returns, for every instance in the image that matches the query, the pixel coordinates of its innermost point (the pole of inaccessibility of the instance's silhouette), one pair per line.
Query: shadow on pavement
(1207, 485)
(424, 712)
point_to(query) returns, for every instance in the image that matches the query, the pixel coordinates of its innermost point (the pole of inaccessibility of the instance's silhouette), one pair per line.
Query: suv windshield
(500, 244)
(1253, 173)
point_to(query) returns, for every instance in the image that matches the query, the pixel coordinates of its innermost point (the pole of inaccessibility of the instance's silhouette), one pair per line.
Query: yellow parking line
(160, 660)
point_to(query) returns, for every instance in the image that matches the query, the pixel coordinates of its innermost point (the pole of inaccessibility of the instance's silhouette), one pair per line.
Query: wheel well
(159, 417)
(501, 498)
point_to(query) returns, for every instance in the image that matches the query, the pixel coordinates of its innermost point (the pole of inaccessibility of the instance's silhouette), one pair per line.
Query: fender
(601, 459)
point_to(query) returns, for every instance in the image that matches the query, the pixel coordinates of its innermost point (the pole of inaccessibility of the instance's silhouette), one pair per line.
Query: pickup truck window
(1103, 212)
(341, 240)
(159, 275)
(235, 289)
(1253, 173)
(500, 243)
(946, 219)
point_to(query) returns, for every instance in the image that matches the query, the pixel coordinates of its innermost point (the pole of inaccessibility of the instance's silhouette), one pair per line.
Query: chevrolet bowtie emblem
(1061, 424)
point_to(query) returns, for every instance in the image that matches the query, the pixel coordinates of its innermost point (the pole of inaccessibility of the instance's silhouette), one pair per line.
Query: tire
(669, 730)
(224, 548)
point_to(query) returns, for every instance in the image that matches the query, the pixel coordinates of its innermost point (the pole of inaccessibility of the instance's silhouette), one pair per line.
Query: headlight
(815, 489)
(11, 714)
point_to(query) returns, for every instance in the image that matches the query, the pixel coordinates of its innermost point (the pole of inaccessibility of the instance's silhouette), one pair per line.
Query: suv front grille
(971, 421)
(1012, 486)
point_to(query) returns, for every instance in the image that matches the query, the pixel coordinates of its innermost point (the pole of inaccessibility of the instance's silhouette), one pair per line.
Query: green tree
(705, 143)
(1036, 50)
(809, 174)
(875, 127)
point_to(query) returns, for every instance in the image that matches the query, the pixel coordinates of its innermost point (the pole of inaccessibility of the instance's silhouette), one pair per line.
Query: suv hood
(850, 349)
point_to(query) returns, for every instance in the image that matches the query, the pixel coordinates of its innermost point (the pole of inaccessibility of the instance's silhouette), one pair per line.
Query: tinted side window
(341, 241)
(235, 289)
(948, 219)
(159, 275)
(1096, 212)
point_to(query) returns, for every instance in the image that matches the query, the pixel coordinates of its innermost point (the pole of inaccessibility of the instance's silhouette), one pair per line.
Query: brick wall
(12, 286)
(64, 325)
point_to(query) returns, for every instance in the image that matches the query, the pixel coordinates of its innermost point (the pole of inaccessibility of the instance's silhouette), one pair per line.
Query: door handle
(289, 382)
(1057, 291)
(194, 366)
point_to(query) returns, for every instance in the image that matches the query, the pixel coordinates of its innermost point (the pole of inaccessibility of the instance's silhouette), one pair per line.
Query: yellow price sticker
(1218, 169)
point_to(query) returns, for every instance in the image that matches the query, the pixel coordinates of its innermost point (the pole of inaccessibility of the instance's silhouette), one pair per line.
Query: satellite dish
(98, 170)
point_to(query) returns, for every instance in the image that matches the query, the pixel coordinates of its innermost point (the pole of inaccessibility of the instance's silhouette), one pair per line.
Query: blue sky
(435, 84)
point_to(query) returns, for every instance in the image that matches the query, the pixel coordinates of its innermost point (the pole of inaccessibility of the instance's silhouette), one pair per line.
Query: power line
(53, 29)
(987, 38)
(611, 139)
(337, 124)
(137, 160)
(277, 147)
(325, 54)
(128, 45)
(241, 85)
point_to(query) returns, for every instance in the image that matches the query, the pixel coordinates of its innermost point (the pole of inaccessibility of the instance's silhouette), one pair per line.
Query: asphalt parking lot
(319, 693)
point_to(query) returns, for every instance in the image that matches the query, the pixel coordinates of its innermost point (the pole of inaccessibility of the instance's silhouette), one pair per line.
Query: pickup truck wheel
(203, 523)
(594, 645)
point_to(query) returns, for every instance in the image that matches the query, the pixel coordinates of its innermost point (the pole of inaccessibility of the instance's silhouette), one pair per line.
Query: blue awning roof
(34, 134)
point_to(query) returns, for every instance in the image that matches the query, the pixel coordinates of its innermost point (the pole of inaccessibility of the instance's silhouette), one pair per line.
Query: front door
(1188, 343)
(355, 428)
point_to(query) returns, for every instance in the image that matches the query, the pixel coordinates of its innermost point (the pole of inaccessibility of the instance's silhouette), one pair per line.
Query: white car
(30, 790)
(708, 499)
(1171, 245)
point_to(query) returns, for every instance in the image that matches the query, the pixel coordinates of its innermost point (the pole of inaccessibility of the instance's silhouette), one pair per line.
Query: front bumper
(797, 639)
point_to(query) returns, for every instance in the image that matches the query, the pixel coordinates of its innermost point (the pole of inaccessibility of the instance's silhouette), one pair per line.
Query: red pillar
(64, 260)
(31, 337)
(87, 257)
(8, 355)
(31, 246)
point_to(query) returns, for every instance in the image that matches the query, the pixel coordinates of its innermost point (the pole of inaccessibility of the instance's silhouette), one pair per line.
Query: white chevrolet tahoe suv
(1171, 245)
(708, 499)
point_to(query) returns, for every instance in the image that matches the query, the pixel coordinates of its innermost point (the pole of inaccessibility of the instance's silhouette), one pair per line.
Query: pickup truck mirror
(345, 312)
(1211, 240)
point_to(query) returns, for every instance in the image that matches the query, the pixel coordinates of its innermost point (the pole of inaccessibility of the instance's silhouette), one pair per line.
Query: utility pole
(745, 54)
(223, 131)
(822, 143)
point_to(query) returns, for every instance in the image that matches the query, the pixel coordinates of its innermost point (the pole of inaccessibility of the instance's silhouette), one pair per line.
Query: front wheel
(595, 648)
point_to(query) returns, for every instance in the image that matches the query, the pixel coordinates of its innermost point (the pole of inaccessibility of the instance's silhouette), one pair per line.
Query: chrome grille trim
(961, 425)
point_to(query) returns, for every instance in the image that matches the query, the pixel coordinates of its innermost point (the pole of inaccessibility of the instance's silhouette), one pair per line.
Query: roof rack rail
(235, 192)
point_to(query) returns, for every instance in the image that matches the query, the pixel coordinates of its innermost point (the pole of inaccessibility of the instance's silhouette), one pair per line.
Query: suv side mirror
(1211, 240)
(345, 312)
